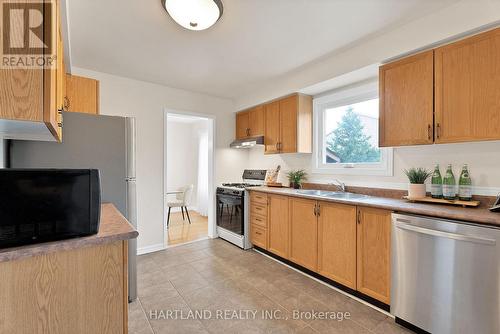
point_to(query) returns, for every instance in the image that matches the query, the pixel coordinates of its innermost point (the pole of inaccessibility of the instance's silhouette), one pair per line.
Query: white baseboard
(150, 249)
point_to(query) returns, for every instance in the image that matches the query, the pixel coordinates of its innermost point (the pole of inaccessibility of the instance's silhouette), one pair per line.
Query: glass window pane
(351, 133)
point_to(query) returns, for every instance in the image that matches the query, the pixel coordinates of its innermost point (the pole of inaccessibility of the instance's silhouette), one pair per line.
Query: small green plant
(297, 176)
(417, 175)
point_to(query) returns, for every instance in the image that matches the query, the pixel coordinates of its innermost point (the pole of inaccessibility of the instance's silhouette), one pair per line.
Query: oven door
(230, 213)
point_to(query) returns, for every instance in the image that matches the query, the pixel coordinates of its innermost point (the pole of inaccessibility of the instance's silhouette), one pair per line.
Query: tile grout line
(144, 312)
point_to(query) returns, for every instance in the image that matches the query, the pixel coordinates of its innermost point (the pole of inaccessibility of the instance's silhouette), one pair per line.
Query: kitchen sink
(312, 192)
(330, 194)
(341, 195)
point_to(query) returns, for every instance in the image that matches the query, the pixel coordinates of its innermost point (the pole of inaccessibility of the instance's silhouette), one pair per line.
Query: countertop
(113, 227)
(480, 215)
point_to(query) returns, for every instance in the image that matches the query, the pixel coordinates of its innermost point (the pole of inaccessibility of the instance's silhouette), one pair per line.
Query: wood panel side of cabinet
(79, 291)
(82, 94)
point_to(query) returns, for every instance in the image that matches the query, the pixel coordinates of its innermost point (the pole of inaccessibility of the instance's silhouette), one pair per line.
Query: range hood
(247, 142)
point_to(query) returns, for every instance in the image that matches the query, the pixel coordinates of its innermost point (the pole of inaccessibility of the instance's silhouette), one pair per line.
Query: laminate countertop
(113, 227)
(479, 215)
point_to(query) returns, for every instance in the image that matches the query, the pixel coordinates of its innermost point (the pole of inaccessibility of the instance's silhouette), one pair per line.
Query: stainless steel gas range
(232, 206)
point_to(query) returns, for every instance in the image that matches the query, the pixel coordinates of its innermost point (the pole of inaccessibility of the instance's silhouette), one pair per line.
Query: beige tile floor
(215, 276)
(180, 231)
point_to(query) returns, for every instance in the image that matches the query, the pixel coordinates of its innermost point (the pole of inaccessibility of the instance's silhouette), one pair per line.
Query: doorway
(188, 177)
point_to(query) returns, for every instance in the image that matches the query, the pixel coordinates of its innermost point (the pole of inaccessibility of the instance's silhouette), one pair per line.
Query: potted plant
(417, 178)
(296, 177)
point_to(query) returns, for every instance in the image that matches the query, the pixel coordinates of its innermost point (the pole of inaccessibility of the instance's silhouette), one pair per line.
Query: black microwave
(39, 205)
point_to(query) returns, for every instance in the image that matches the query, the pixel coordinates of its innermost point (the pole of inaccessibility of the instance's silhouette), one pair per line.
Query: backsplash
(482, 158)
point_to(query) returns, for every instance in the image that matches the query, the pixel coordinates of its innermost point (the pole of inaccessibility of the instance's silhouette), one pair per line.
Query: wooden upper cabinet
(406, 101)
(288, 125)
(82, 94)
(30, 94)
(303, 233)
(374, 253)
(467, 90)
(337, 243)
(256, 121)
(278, 228)
(272, 127)
(250, 123)
(242, 125)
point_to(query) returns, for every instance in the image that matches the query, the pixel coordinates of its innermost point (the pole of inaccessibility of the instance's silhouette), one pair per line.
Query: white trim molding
(150, 249)
(353, 94)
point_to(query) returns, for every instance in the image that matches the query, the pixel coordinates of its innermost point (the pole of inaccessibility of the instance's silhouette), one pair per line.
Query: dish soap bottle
(449, 189)
(465, 185)
(436, 183)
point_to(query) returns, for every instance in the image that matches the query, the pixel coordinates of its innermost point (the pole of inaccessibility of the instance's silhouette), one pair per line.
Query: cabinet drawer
(258, 209)
(258, 220)
(258, 236)
(258, 198)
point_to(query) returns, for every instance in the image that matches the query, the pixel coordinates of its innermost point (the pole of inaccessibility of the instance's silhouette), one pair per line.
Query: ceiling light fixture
(194, 14)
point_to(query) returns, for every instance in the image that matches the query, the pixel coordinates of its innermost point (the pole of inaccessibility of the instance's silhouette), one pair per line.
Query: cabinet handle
(359, 217)
(429, 132)
(258, 219)
(248, 131)
(315, 211)
(319, 210)
(438, 130)
(258, 233)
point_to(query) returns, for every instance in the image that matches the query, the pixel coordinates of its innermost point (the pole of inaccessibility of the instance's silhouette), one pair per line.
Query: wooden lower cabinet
(337, 243)
(76, 291)
(258, 236)
(374, 253)
(278, 221)
(303, 233)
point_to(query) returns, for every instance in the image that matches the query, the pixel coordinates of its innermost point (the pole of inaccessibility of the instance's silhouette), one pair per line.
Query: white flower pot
(416, 191)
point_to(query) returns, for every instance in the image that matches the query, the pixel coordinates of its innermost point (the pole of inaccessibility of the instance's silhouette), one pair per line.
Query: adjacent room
(250, 166)
(187, 178)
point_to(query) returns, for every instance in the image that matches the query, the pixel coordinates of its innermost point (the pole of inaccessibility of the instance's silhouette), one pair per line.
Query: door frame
(211, 120)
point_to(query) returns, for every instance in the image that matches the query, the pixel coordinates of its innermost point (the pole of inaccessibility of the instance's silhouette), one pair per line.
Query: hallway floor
(218, 278)
(180, 231)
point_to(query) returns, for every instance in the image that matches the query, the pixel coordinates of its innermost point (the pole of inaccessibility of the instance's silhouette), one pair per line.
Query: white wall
(483, 158)
(145, 101)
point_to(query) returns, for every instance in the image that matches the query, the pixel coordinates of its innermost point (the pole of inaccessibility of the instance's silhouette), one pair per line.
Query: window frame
(351, 95)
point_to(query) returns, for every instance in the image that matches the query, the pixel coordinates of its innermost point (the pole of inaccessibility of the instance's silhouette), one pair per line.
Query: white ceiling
(255, 40)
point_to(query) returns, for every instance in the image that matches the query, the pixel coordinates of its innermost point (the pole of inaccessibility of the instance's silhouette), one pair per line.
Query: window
(346, 133)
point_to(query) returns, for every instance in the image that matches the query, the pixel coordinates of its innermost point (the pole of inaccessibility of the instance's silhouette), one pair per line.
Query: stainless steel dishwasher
(445, 275)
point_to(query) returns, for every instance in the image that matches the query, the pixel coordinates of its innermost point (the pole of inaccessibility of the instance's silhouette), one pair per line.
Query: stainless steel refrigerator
(106, 143)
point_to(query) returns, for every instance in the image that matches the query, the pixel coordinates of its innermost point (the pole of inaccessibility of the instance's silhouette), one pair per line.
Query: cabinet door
(406, 101)
(82, 94)
(278, 225)
(242, 125)
(288, 120)
(468, 89)
(272, 127)
(256, 121)
(303, 233)
(374, 250)
(337, 243)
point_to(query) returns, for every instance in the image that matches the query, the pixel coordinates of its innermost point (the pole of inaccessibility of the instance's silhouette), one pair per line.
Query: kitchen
(190, 276)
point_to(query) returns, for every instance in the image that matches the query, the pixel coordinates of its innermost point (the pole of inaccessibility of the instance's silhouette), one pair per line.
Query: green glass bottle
(465, 185)
(436, 183)
(449, 184)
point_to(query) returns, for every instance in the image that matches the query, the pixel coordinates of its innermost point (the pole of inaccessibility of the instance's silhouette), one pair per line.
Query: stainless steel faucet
(340, 185)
